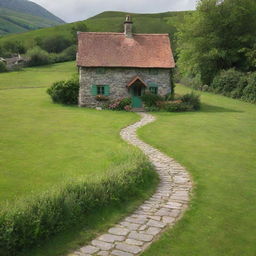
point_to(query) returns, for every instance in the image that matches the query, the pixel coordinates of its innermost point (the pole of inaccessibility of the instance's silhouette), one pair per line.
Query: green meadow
(42, 76)
(217, 145)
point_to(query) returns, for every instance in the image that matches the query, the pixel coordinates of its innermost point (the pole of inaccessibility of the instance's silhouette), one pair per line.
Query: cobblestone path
(136, 232)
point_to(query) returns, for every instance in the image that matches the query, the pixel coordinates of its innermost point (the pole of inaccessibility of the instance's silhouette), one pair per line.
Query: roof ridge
(118, 33)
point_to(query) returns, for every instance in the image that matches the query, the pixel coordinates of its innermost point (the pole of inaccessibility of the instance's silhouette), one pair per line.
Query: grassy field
(218, 147)
(42, 76)
(44, 145)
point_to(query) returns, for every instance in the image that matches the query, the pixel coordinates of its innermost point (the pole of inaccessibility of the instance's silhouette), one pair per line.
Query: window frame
(153, 90)
(101, 89)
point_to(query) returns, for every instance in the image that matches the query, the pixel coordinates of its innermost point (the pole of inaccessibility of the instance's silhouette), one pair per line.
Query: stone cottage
(117, 65)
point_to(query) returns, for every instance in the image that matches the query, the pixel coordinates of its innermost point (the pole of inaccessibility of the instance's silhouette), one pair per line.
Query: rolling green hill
(18, 16)
(107, 21)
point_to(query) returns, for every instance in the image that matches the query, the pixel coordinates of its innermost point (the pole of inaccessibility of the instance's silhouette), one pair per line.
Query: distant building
(14, 62)
(117, 65)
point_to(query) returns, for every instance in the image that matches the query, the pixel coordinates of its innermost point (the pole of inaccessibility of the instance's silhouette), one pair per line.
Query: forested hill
(21, 15)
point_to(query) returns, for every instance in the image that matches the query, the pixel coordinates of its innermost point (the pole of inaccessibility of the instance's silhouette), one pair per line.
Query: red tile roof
(116, 50)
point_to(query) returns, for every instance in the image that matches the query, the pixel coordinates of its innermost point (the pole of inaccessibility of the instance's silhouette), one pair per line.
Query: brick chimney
(128, 26)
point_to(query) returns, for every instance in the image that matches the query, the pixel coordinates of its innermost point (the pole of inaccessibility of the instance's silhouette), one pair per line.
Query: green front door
(136, 96)
(136, 102)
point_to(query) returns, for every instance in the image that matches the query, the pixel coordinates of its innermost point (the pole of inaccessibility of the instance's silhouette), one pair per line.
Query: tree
(78, 27)
(218, 35)
(55, 43)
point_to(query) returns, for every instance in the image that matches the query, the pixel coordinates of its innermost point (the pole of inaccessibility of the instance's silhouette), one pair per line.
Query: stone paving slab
(136, 232)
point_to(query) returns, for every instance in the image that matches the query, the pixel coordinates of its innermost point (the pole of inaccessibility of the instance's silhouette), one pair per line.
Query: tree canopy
(218, 35)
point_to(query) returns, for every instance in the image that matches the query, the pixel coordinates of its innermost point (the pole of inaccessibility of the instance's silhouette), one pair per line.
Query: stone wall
(117, 79)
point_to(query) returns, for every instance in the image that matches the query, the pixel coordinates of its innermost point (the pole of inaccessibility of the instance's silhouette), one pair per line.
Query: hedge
(29, 222)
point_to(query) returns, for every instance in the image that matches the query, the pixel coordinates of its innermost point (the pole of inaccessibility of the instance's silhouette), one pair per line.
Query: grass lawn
(218, 147)
(43, 145)
(42, 76)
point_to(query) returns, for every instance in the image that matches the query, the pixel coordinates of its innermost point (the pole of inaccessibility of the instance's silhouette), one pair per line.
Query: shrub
(120, 104)
(14, 47)
(237, 93)
(38, 57)
(65, 92)
(39, 218)
(151, 100)
(193, 82)
(177, 106)
(192, 101)
(3, 67)
(152, 109)
(67, 55)
(226, 81)
(249, 92)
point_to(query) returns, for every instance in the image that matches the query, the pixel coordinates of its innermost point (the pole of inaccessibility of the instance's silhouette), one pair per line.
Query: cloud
(74, 10)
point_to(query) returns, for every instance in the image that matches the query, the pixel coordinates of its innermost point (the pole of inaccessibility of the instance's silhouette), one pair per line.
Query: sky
(74, 10)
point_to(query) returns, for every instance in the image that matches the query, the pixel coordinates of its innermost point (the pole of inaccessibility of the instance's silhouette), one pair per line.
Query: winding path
(136, 232)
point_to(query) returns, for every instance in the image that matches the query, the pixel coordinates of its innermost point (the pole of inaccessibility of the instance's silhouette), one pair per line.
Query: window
(153, 90)
(100, 71)
(153, 71)
(100, 90)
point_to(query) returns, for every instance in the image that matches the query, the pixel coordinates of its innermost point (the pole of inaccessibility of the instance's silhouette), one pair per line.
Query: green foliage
(151, 100)
(176, 107)
(249, 92)
(78, 27)
(54, 43)
(216, 37)
(192, 81)
(65, 92)
(120, 104)
(55, 211)
(67, 55)
(192, 100)
(38, 57)
(235, 84)
(226, 82)
(152, 109)
(2, 67)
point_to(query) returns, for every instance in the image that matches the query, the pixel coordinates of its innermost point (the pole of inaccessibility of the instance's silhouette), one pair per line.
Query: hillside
(18, 16)
(108, 21)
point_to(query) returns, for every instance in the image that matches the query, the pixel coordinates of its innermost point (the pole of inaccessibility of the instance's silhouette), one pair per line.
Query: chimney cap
(128, 19)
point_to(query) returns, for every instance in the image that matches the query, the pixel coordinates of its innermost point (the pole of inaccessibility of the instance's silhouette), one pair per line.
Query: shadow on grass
(215, 109)
(205, 108)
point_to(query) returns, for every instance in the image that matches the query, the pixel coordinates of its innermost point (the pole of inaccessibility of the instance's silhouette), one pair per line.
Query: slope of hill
(108, 21)
(21, 15)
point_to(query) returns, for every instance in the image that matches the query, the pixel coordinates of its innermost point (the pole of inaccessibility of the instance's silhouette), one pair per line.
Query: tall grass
(38, 218)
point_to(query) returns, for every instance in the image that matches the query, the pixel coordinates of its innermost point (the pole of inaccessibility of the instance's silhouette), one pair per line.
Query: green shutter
(94, 90)
(106, 90)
